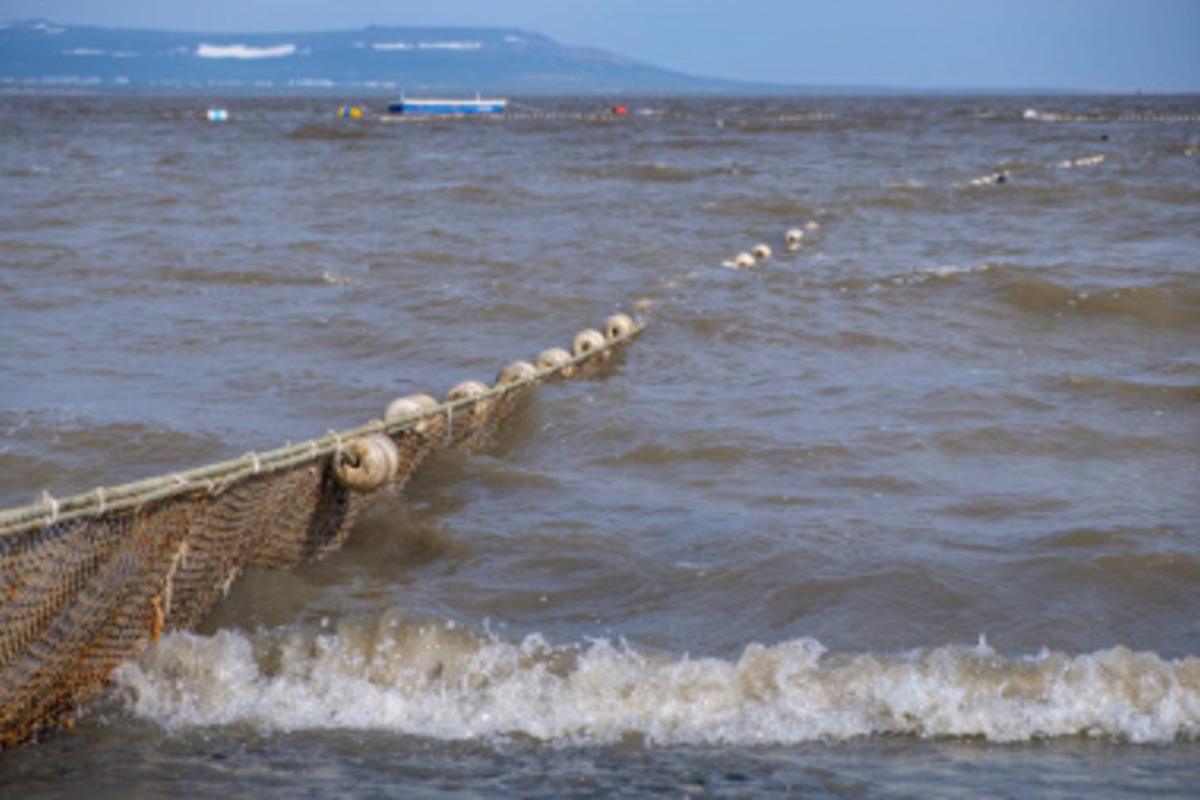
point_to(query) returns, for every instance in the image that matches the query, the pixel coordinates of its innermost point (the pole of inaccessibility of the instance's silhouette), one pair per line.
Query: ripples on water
(933, 476)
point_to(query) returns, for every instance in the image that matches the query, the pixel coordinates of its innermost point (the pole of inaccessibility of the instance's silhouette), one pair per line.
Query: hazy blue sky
(1119, 45)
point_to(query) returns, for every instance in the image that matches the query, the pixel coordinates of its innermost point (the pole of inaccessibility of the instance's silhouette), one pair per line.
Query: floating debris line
(1034, 115)
(88, 582)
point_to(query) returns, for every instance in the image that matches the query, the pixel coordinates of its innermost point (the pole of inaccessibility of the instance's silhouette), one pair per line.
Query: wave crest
(444, 682)
(1169, 305)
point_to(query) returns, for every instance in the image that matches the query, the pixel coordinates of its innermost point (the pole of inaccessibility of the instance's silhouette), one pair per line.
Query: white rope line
(218, 478)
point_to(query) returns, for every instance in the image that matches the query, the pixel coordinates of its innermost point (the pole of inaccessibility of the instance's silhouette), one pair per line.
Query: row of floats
(793, 240)
(370, 462)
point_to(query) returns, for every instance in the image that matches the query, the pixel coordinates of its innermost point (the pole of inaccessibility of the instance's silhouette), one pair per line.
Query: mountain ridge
(40, 54)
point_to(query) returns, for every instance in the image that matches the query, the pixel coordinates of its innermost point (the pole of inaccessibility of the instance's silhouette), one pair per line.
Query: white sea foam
(928, 274)
(244, 51)
(1086, 161)
(952, 270)
(443, 682)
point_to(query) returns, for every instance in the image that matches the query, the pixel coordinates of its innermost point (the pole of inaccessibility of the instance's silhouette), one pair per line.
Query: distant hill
(38, 54)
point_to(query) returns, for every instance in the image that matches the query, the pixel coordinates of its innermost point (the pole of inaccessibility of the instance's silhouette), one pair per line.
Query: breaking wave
(445, 682)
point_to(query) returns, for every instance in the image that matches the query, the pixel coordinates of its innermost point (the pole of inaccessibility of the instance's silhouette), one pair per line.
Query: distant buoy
(350, 112)
(792, 239)
(515, 372)
(995, 178)
(761, 252)
(618, 327)
(366, 464)
(587, 341)
(218, 115)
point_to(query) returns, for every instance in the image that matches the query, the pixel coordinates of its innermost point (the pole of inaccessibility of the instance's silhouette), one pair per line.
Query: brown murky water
(912, 509)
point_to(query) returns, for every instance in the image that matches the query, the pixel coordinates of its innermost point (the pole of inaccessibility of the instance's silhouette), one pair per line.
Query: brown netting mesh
(89, 582)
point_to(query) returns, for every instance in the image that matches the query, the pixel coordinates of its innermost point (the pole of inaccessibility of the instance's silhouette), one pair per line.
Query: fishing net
(88, 582)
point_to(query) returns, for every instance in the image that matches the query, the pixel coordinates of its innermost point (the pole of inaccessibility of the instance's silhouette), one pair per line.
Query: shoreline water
(960, 413)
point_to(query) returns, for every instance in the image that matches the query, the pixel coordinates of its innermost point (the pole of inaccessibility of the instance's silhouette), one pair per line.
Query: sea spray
(445, 682)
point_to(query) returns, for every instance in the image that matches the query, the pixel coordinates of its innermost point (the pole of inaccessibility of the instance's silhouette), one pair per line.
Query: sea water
(910, 510)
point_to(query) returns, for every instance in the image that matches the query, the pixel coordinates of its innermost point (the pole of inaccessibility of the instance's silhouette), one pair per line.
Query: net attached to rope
(89, 581)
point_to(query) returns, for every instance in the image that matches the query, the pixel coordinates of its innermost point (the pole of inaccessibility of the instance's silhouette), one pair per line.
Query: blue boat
(446, 107)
